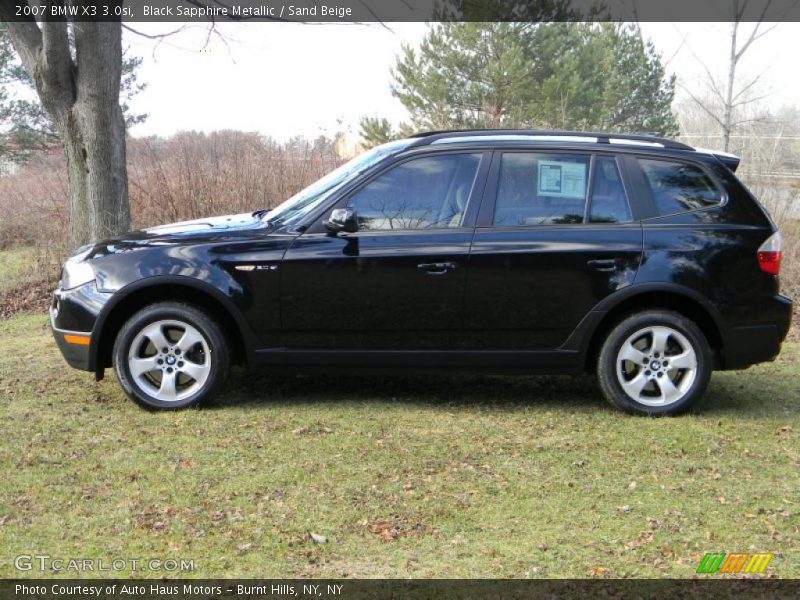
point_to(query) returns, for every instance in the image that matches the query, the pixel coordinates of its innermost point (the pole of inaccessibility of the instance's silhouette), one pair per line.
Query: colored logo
(744, 562)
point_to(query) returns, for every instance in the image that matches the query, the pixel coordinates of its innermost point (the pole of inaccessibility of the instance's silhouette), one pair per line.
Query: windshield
(305, 201)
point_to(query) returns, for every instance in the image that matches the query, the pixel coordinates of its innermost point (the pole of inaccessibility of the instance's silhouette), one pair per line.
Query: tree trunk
(82, 97)
(80, 230)
(98, 170)
(727, 116)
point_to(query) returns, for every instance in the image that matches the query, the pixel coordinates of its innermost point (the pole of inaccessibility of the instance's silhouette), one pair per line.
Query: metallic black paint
(522, 298)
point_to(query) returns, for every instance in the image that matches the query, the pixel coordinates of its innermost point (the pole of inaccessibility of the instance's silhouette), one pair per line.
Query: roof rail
(602, 138)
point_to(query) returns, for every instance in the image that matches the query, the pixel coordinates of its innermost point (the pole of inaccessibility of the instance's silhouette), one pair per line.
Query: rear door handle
(606, 264)
(437, 268)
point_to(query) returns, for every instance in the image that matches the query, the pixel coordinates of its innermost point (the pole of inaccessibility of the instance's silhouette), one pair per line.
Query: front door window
(423, 193)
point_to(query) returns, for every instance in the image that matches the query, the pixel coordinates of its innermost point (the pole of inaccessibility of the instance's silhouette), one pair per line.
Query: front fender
(160, 286)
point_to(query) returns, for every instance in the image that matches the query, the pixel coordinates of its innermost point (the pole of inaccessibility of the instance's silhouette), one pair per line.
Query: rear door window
(679, 187)
(541, 189)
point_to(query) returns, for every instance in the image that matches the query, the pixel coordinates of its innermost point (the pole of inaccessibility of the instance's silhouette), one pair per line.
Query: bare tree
(78, 84)
(730, 96)
(80, 91)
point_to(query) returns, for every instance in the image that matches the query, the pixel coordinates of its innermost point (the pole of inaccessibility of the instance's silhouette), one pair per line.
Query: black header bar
(397, 589)
(388, 11)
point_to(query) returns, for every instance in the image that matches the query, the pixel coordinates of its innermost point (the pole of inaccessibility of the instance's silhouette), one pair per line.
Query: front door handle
(437, 268)
(606, 264)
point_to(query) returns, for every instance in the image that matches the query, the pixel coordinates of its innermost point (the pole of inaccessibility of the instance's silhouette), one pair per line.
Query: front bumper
(73, 314)
(75, 346)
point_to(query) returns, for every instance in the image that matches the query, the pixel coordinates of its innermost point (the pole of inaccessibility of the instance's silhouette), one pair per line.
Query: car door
(396, 284)
(555, 236)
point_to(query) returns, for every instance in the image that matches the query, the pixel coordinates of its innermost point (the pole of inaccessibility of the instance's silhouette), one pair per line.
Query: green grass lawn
(16, 264)
(451, 477)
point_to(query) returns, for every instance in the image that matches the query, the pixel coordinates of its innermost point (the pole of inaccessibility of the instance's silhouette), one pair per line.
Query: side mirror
(342, 219)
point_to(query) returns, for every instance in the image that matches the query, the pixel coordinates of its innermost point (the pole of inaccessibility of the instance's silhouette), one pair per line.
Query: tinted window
(678, 187)
(608, 204)
(541, 189)
(422, 193)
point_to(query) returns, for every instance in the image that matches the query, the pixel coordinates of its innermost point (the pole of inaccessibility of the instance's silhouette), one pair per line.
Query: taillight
(769, 254)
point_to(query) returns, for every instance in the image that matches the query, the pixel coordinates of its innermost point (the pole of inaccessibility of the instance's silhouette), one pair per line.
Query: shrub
(188, 176)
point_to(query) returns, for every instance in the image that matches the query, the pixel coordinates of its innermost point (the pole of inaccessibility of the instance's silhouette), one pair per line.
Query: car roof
(536, 136)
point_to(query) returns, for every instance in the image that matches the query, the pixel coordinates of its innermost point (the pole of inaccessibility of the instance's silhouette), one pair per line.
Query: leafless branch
(749, 101)
(747, 86)
(372, 12)
(156, 36)
(703, 106)
(679, 47)
(712, 82)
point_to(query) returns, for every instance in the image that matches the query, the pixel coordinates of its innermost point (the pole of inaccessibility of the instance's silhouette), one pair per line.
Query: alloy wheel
(656, 366)
(169, 360)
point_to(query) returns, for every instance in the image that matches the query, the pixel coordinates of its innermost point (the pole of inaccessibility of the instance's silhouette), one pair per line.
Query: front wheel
(655, 362)
(170, 355)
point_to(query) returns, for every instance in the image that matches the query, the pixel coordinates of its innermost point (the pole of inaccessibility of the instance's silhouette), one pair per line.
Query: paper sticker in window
(562, 179)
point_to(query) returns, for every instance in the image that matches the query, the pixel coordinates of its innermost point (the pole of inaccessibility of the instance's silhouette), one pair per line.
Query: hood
(204, 226)
(196, 231)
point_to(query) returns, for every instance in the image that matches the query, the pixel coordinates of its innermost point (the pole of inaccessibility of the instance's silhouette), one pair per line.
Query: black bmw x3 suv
(640, 258)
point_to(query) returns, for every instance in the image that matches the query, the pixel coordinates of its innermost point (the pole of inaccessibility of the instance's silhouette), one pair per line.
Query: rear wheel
(170, 355)
(654, 363)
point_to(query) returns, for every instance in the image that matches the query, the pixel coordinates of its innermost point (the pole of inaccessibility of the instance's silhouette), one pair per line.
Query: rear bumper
(751, 344)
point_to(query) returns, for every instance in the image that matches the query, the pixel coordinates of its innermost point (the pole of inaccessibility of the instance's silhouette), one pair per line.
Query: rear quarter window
(678, 187)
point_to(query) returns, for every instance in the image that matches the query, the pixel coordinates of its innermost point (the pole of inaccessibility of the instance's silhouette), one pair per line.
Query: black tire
(215, 371)
(607, 364)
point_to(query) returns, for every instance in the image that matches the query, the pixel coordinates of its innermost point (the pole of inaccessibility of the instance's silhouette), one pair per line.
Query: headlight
(76, 273)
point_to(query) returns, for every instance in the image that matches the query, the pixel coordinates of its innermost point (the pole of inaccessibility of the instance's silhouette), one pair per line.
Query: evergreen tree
(582, 76)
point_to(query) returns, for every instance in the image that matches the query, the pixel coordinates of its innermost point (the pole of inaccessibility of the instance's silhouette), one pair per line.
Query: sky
(284, 79)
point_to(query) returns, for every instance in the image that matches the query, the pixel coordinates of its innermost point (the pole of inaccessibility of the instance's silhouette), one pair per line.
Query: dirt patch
(32, 296)
(397, 526)
(794, 330)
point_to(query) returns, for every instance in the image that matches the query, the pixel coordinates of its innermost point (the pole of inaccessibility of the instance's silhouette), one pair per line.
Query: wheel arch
(677, 298)
(136, 296)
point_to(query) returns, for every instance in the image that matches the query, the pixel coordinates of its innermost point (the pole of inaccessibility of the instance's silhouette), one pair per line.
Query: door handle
(606, 264)
(437, 268)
